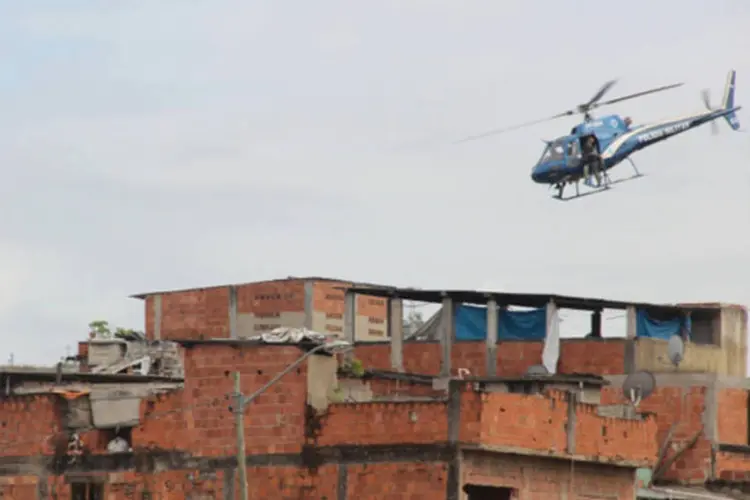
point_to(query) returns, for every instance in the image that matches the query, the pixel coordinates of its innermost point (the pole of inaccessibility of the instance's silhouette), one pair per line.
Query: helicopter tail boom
(728, 102)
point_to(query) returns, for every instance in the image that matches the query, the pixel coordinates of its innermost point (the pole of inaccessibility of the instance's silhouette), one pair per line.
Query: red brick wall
(600, 357)
(28, 425)
(519, 421)
(193, 314)
(539, 422)
(732, 416)
(395, 388)
(531, 422)
(385, 423)
(270, 298)
(204, 313)
(732, 466)
(544, 479)
(327, 298)
(686, 407)
(397, 481)
(273, 423)
(401, 481)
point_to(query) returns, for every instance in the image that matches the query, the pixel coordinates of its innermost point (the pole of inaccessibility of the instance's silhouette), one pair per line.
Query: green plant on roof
(357, 368)
(100, 329)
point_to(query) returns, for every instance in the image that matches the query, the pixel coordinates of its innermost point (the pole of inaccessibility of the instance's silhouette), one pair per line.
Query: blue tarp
(471, 324)
(647, 326)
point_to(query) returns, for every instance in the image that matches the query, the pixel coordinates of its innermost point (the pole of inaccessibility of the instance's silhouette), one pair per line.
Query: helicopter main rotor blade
(599, 94)
(514, 127)
(638, 94)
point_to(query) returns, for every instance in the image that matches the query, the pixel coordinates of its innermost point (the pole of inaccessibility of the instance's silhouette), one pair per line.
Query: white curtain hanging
(551, 350)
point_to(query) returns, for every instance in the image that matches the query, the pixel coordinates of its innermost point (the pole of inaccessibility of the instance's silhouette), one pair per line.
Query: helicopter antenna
(584, 108)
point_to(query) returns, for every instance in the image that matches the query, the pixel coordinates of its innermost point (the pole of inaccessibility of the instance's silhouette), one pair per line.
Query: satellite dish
(638, 386)
(537, 370)
(676, 350)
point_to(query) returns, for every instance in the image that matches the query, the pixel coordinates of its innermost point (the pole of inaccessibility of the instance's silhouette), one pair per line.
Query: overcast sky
(154, 145)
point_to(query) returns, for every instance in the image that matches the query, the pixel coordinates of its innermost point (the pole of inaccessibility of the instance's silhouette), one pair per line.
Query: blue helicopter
(599, 144)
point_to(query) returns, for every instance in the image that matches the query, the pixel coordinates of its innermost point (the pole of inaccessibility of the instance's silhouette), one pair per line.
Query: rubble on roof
(287, 335)
(157, 358)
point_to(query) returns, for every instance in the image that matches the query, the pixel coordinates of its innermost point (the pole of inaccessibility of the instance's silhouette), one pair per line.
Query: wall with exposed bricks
(685, 408)
(543, 479)
(506, 420)
(601, 357)
(205, 313)
(29, 425)
(197, 420)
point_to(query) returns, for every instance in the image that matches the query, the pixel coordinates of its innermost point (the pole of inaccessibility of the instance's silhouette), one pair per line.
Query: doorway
(477, 492)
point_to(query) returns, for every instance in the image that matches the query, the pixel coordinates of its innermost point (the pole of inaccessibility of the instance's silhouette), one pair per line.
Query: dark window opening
(476, 492)
(706, 325)
(86, 491)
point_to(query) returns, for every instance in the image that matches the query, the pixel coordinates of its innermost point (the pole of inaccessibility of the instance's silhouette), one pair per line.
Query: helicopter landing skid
(606, 186)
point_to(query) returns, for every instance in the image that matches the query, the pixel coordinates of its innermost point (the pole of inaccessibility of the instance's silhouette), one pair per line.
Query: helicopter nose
(538, 174)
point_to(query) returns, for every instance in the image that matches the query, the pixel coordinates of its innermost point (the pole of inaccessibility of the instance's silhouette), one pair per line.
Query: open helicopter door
(573, 156)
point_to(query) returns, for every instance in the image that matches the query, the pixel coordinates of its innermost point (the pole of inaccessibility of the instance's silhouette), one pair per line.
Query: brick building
(237, 311)
(413, 426)
(316, 434)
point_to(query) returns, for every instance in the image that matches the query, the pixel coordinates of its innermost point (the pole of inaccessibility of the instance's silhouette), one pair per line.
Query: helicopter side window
(574, 151)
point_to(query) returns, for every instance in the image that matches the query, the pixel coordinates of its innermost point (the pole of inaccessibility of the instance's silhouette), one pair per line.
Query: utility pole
(242, 401)
(239, 412)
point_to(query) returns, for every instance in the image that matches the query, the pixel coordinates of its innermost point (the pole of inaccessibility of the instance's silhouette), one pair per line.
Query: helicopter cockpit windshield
(554, 152)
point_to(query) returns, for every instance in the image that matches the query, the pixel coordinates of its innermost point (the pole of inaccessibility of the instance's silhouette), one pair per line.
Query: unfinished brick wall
(376, 481)
(540, 422)
(193, 314)
(599, 357)
(18, 487)
(29, 425)
(204, 313)
(274, 422)
(684, 407)
(732, 428)
(732, 416)
(395, 388)
(542, 479)
(397, 481)
(384, 423)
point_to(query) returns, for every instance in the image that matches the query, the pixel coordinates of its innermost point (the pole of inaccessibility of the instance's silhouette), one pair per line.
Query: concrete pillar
(630, 333)
(350, 315)
(631, 321)
(396, 329)
(309, 305)
(157, 317)
(232, 312)
(596, 324)
(448, 333)
(491, 339)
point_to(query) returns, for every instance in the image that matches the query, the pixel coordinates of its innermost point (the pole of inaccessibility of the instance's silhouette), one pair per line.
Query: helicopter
(597, 145)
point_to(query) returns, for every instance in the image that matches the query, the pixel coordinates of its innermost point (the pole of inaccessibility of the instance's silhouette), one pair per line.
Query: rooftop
(51, 375)
(535, 300)
(276, 280)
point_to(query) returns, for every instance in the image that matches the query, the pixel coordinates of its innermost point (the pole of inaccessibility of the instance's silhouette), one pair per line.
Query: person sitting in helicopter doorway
(591, 159)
